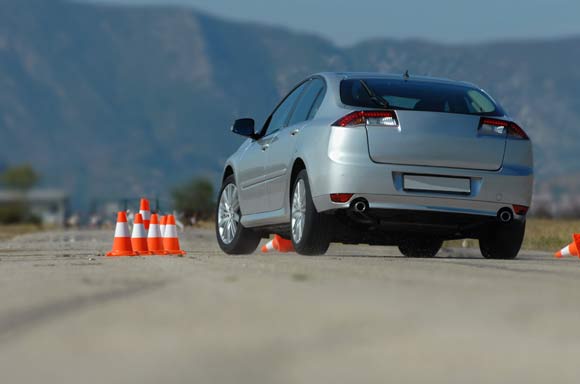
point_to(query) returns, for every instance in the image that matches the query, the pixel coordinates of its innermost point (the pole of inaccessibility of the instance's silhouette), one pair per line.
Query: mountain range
(111, 101)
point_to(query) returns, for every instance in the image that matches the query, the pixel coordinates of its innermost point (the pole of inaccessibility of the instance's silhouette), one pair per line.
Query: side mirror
(244, 127)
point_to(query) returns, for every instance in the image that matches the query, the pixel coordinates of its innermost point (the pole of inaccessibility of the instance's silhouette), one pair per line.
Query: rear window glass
(420, 96)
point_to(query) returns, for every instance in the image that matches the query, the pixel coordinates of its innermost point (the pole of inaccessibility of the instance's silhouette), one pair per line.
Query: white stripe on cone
(146, 214)
(162, 228)
(270, 246)
(122, 230)
(170, 231)
(139, 231)
(566, 251)
(154, 231)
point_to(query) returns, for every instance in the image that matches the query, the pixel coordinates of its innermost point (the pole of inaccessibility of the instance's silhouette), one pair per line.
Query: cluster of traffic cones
(150, 236)
(572, 249)
(278, 243)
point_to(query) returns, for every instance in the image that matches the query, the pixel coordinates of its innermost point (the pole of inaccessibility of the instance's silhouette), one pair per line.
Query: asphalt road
(357, 315)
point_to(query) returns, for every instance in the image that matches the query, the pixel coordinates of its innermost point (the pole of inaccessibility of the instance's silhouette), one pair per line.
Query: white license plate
(436, 184)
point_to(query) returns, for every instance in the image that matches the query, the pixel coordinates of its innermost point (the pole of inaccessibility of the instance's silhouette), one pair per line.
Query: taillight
(376, 118)
(520, 209)
(496, 127)
(517, 132)
(340, 197)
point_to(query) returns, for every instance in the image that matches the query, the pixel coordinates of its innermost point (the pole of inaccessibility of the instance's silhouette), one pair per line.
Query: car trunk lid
(436, 139)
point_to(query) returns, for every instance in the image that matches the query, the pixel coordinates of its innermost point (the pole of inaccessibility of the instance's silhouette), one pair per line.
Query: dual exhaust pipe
(360, 206)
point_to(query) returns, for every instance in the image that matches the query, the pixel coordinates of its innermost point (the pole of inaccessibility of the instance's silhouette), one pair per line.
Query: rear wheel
(420, 248)
(310, 229)
(503, 241)
(233, 238)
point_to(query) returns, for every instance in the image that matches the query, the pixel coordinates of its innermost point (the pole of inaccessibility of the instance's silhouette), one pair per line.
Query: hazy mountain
(120, 101)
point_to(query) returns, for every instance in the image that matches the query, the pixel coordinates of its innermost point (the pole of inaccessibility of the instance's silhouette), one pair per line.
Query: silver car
(379, 159)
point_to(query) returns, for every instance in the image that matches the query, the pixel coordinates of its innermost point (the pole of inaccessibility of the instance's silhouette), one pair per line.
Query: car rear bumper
(415, 203)
(381, 186)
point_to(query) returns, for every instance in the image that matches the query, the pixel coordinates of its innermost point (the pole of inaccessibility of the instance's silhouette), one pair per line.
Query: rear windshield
(420, 96)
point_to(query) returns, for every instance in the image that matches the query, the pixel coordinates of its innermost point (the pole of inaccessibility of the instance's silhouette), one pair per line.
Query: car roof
(337, 76)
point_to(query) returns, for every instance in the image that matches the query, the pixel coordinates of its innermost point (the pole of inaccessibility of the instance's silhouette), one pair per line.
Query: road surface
(357, 315)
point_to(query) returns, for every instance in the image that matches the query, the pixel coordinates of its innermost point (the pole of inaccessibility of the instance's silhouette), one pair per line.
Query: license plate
(436, 184)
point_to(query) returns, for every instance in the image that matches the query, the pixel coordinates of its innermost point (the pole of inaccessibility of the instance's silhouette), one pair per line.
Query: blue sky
(452, 21)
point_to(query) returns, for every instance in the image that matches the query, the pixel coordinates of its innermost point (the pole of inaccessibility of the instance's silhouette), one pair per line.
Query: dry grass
(205, 224)
(550, 235)
(541, 235)
(10, 231)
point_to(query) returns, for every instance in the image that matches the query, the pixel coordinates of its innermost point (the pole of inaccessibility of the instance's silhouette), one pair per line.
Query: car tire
(503, 241)
(314, 238)
(243, 240)
(424, 248)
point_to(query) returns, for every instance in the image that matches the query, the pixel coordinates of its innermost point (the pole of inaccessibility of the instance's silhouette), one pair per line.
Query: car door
(251, 171)
(275, 137)
(282, 147)
(250, 178)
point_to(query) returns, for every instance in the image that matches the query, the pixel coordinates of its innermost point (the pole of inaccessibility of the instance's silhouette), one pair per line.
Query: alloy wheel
(298, 211)
(229, 213)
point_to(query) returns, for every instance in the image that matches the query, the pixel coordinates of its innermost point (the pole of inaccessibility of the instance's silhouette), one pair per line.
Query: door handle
(294, 132)
(265, 146)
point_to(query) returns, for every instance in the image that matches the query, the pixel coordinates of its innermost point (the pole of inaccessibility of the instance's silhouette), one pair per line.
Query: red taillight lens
(498, 127)
(340, 197)
(520, 209)
(517, 132)
(376, 118)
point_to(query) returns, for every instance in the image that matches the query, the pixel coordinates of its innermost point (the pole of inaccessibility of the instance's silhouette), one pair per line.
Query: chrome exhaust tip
(360, 206)
(505, 215)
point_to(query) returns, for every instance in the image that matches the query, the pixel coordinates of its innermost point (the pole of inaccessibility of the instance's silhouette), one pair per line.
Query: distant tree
(195, 198)
(20, 177)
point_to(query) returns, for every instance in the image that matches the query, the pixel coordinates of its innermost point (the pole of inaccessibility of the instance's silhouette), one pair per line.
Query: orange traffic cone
(139, 236)
(285, 245)
(145, 211)
(122, 242)
(163, 224)
(170, 239)
(269, 246)
(279, 244)
(154, 239)
(573, 249)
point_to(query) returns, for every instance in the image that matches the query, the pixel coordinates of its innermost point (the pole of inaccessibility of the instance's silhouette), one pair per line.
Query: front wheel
(233, 238)
(310, 229)
(503, 241)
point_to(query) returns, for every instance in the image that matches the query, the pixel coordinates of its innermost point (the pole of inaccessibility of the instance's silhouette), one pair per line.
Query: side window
(280, 115)
(316, 104)
(305, 104)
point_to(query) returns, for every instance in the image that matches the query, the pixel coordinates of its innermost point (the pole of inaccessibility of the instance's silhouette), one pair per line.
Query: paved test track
(357, 315)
